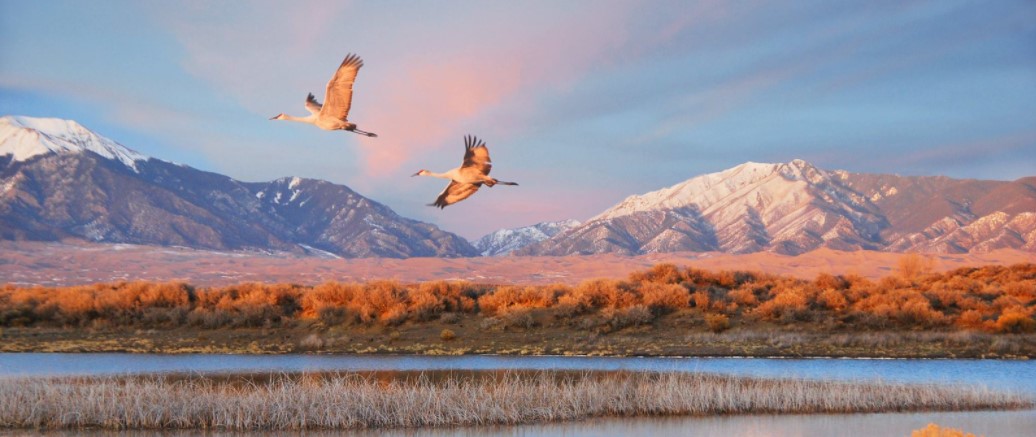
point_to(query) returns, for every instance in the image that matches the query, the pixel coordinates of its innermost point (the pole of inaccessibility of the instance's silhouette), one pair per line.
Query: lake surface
(1018, 376)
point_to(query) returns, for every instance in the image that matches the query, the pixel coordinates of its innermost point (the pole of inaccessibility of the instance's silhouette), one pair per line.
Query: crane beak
(275, 117)
(416, 174)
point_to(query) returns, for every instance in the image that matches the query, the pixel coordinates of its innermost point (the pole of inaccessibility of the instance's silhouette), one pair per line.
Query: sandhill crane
(333, 114)
(466, 179)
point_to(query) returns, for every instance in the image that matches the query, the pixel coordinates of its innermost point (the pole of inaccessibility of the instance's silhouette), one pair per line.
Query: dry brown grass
(350, 400)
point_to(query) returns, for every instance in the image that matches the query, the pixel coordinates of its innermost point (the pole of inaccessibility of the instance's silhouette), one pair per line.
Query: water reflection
(1001, 374)
(1011, 423)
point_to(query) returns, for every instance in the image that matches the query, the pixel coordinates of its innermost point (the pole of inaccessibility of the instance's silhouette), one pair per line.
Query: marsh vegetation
(666, 310)
(375, 400)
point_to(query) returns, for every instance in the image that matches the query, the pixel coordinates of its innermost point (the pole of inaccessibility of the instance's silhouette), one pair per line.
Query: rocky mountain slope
(59, 180)
(795, 207)
(505, 241)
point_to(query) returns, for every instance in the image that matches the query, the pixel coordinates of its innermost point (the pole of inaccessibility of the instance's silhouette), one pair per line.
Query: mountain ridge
(795, 207)
(73, 183)
(505, 241)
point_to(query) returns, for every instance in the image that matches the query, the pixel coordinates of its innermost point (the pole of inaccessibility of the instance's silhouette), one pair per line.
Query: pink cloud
(429, 101)
(425, 110)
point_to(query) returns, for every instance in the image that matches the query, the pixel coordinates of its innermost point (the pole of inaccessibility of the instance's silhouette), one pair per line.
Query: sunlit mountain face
(795, 207)
(59, 180)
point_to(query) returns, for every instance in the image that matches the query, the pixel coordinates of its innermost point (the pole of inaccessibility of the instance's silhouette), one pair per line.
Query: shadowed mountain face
(794, 207)
(59, 180)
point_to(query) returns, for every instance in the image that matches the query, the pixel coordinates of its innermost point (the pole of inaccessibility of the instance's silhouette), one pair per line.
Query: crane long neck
(439, 175)
(308, 119)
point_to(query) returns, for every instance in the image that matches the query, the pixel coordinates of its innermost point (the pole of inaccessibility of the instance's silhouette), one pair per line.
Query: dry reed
(351, 400)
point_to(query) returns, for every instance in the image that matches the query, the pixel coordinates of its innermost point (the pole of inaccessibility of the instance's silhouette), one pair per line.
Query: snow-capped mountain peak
(52, 188)
(714, 188)
(794, 207)
(24, 137)
(505, 241)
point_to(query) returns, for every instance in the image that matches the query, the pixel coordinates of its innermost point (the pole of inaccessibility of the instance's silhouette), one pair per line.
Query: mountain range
(505, 241)
(795, 207)
(59, 180)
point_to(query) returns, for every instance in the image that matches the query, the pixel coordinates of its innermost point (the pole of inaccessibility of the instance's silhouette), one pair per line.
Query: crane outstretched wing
(339, 96)
(312, 105)
(455, 192)
(476, 155)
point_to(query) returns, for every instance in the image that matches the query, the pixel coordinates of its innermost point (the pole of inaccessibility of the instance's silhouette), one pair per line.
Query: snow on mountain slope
(505, 241)
(796, 207)
(52, 189)
(24, 137)
(788, 207)
(748, 183)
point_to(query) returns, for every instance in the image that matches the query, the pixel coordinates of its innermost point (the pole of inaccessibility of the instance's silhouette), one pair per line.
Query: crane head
(421, 172)
(277, 117)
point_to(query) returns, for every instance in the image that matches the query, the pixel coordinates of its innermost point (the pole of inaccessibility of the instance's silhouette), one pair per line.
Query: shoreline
(424, 340)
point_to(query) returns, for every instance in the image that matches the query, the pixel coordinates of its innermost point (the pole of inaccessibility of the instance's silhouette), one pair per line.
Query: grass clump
(447, 334)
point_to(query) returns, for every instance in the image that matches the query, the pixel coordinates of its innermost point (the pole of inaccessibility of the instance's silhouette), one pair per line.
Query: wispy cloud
(250, 53)
(960, 153)
(130, 110)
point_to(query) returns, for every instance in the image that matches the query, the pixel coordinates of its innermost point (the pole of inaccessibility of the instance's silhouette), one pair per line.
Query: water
(999, 374)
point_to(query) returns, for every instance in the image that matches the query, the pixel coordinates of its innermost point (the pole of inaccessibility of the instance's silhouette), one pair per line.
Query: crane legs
(369, 134)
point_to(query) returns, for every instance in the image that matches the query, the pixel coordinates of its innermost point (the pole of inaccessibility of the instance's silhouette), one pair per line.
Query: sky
(582, 102)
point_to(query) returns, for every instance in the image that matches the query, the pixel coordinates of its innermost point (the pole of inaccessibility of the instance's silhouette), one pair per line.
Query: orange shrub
(832, 299)
(826, 281)
(328, 296)
(701, 300)
(787, 305)
(660, 273)
(383, 301)
(970, 319)
(717, 322)
(663, 298)
(903, 306)
(508, 298)
(601, 293)
(743, 296)
(1015, 320)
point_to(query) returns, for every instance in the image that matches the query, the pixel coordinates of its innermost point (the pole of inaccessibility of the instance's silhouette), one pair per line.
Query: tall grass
(351, 400)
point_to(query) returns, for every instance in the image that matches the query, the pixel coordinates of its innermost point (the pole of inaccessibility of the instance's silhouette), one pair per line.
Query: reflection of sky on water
(1009, 423)
(993, 373)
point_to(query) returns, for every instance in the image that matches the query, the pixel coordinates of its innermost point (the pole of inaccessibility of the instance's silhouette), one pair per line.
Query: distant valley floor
(58, 264)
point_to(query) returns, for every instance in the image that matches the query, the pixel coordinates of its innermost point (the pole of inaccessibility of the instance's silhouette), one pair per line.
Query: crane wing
(476, 155)
(339, 96)
(312, 104)
(455, 192)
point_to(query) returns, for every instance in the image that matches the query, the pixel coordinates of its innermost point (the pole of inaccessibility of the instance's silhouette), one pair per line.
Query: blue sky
(582, 102)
